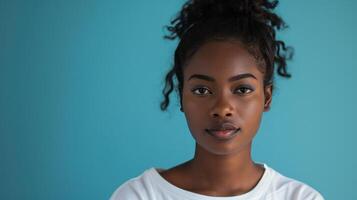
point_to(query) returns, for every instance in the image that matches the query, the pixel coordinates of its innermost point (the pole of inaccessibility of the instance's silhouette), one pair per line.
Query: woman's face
(223, 90)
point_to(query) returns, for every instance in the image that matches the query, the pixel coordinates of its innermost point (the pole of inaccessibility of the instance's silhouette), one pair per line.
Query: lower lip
(224, 135)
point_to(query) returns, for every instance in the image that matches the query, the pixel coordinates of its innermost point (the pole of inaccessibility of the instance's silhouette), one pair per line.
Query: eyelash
(206, 89)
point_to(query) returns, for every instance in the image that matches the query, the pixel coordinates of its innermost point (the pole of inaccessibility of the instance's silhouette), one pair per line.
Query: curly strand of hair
(280, 59)
(169, 87)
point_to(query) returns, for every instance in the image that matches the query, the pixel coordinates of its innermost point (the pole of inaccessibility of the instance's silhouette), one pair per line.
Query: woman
(224, 66)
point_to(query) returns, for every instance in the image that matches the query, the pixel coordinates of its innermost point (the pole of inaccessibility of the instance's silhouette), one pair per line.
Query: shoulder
(289, 188)
(136, 188)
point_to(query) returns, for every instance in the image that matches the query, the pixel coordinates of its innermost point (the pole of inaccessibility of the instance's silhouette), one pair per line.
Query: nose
(222, 108)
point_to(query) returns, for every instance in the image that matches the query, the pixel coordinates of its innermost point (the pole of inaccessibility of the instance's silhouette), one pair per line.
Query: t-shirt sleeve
(125, 192)
(313, 195)
(131, 190)
(306, 192)
(295, 190)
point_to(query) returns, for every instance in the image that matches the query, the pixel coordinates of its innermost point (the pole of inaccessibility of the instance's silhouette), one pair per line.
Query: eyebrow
(231, 79)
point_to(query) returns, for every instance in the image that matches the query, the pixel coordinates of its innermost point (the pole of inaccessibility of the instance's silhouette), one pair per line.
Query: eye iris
(244, 90)
(201, 90)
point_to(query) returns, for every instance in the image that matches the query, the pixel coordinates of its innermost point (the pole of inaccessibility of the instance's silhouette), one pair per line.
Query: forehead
(222, 59)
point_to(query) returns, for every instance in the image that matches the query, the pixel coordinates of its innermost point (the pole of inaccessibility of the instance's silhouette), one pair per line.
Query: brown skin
(221, 168)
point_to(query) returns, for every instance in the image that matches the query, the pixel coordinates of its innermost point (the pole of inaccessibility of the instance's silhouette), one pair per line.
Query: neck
(236, 170)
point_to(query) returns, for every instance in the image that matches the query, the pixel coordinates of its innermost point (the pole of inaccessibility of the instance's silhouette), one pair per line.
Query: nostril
(227, 115)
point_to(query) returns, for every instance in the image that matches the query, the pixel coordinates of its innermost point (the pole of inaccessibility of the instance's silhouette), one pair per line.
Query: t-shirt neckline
(255, 193)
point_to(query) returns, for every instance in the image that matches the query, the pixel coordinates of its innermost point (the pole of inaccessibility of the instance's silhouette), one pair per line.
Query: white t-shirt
(150, 185)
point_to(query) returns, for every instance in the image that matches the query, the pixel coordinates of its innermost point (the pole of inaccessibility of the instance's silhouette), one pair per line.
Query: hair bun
(206, 9)
(194, 11)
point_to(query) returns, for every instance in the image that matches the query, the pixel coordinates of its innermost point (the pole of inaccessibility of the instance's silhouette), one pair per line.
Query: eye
(244, 90)
(201, 91)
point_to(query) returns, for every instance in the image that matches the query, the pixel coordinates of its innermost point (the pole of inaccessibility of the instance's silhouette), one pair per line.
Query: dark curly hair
(252, 22)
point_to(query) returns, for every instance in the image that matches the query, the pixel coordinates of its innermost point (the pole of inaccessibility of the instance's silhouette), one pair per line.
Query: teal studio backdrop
(80, 87)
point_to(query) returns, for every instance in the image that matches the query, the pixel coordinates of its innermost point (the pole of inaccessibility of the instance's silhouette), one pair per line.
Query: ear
(268, 95)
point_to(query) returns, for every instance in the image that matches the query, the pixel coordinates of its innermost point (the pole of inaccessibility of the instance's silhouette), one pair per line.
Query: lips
(224, 127)
(223, 131)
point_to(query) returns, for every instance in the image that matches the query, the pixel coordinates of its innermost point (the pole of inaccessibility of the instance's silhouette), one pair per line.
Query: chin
(222, 150)
(233, 147)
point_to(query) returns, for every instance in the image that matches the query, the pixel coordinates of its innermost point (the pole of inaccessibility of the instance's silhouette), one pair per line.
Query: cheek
(195, 112)
(252, 107)
(251, 113)
(190, 103)
(194, 124)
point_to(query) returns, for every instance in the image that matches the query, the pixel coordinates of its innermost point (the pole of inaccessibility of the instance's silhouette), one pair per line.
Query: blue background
(80, 87)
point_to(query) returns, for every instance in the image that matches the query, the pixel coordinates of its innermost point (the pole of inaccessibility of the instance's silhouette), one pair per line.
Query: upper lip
(223, 126)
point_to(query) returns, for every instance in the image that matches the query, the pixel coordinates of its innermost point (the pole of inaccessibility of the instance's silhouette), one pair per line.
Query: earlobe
(266, 108)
